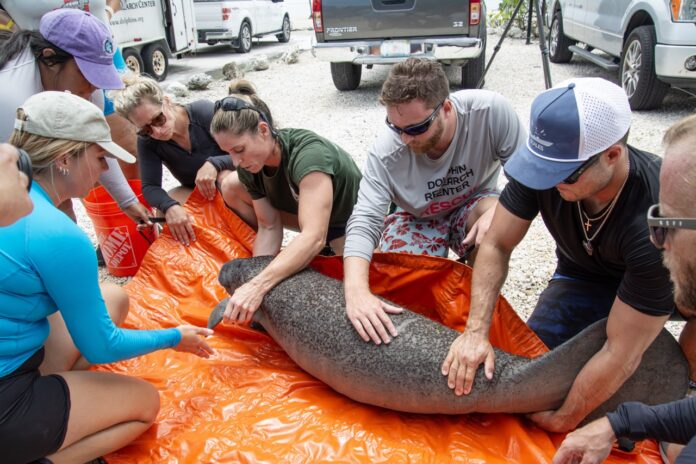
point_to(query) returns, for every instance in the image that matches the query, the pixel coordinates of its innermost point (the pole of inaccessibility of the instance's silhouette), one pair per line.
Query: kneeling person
(438, 162)
(290, 178)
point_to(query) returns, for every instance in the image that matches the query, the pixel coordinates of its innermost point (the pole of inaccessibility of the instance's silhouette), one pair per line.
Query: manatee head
(237, 272)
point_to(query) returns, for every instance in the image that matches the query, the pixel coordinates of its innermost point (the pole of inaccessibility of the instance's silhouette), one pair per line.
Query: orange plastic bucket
(121, 244)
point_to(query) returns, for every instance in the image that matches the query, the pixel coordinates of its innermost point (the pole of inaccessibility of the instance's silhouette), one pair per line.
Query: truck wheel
(244, 39)
(284, 36)
(473, 69)
(346, 76)
(558, 41)
(637, 72)
(133, 60)
(156, 61)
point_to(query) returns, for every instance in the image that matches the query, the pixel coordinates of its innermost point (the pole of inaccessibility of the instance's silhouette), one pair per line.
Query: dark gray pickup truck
(353, 33)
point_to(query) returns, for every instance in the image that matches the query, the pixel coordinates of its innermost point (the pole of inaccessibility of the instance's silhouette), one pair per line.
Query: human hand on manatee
(468, 351)
(205, 180)
(191, 341)
(590, 444)
(243, 304)
(369, 316)
(180, 224)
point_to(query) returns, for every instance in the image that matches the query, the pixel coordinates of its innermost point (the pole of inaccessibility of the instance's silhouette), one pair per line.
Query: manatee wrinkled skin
(305, 315)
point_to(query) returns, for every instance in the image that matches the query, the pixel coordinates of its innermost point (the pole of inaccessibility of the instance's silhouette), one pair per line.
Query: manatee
(305, 315)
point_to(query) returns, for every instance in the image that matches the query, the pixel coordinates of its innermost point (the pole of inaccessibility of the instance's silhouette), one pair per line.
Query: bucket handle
(158, 230)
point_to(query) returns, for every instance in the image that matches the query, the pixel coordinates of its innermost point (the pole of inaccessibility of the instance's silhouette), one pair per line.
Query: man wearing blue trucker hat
(593, 192)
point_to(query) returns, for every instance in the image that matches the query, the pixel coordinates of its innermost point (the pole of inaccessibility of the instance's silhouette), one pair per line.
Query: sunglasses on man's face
(157, 121)
(659, 226)
(575, 175)
(415, 129)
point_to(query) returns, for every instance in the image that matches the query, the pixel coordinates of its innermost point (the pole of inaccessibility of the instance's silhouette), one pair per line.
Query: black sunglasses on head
(659, 226)
(415, 129)
(237, 104)
(575, 175)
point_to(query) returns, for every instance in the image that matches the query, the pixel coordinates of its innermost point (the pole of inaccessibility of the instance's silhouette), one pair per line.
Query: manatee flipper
(216, 316)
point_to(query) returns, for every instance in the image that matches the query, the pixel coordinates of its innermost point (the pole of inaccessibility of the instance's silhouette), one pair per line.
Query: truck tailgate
(208, 15)
(389, 19)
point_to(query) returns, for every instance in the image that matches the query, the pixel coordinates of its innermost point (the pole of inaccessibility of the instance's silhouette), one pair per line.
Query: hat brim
(102, 76)
(535, 172)
(117, 151)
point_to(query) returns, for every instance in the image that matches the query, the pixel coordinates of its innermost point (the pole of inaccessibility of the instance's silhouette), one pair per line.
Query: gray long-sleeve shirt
(488, 131)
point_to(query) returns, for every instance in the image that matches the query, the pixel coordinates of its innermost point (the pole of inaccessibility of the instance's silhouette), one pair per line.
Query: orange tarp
(250, 403)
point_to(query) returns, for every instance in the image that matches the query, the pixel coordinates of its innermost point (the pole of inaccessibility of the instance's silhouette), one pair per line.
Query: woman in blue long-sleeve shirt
(55, 319)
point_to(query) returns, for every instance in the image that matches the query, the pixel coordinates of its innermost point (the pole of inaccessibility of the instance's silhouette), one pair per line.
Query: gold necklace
(585, 226)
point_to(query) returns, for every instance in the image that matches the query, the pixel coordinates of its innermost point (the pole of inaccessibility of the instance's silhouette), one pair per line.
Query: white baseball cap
(62, 115)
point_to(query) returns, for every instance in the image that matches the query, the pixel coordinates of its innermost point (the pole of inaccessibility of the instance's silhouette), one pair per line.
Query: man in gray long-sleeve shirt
(672, 225)
(438, 162)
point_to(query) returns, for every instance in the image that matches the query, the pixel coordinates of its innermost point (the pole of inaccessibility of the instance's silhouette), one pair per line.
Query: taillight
(316, 16)
(474, 12)
(226, 13)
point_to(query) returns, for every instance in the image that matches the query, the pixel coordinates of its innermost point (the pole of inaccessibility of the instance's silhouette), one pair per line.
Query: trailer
(150, 32)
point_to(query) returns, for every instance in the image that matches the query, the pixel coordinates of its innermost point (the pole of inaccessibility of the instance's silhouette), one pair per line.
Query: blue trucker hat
(568, 125)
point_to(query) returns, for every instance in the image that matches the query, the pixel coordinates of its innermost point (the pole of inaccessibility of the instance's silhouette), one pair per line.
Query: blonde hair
(44, 151)
(138, 89)
(245, 120)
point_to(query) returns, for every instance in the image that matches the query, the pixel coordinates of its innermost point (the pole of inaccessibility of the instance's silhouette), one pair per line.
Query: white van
(238, 21)
(150, 31)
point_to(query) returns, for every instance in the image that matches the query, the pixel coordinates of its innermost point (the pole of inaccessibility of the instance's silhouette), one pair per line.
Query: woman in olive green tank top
(285, 178)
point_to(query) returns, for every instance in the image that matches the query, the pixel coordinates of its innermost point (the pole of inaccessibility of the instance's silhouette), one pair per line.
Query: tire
(133, 60)
(284, 37)
(558, 41)
(346, 76)
(473, 69)
(156, 62)
(637, 71)
(244, 39)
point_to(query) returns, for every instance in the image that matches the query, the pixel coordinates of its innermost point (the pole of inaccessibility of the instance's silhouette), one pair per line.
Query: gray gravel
(303, 95)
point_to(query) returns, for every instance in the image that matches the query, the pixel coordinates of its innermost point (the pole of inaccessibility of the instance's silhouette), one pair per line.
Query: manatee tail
(661, 376)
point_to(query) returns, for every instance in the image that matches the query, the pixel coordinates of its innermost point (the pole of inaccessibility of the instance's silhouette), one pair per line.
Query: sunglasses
(575, 175)
(157, 121)
(659, 226)
(415, 129)
(237, 104)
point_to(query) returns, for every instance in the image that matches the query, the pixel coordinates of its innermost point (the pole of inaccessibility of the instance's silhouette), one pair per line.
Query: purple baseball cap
(88, 40)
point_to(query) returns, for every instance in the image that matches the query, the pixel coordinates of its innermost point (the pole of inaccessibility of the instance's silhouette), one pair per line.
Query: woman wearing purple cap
(72, 51)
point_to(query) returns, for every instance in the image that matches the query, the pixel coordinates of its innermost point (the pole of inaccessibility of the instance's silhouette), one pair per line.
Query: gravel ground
(303, 95)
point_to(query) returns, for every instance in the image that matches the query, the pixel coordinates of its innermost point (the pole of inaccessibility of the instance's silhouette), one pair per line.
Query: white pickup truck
(238, 21)
(650, 43)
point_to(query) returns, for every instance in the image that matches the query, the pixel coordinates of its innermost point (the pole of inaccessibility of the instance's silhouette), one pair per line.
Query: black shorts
(34, 411)
(334, 233)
